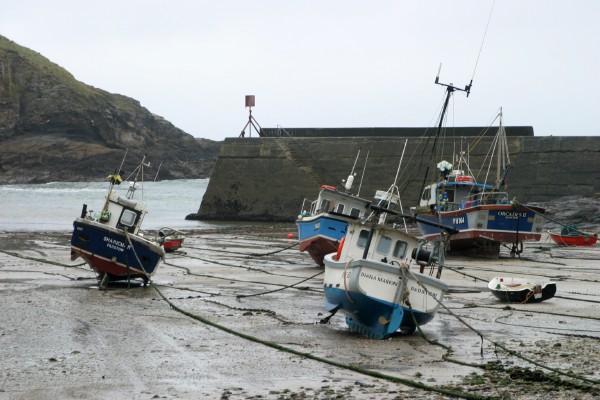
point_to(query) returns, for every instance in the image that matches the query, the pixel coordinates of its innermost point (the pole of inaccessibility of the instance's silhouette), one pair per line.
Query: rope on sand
(360, 370)
(42, 260)
(506, 349)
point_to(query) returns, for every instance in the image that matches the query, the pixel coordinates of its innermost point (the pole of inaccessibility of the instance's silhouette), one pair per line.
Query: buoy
(339, 250)
(290, 236)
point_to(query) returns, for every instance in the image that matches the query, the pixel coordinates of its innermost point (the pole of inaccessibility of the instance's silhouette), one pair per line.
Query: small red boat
(571, 236)
(170, 239)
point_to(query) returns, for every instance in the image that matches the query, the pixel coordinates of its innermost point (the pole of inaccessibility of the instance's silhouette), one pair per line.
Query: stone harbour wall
(267, 179)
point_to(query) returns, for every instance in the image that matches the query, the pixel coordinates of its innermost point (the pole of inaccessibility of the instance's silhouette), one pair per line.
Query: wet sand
(63, 338)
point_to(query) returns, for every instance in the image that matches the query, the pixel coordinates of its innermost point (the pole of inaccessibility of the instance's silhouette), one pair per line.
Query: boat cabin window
(426, 194)
(400, 249)
(384, 244)
(340, 209)
(355, 212)
(362, 238)
(325, 205)
(128, 218)
(450, 195)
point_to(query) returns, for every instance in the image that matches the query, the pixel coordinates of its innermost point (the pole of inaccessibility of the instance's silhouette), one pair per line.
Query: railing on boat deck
(312, 207)
(484, 198)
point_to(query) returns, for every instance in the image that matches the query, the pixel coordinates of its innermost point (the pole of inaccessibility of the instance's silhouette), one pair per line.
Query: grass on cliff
(43, 66)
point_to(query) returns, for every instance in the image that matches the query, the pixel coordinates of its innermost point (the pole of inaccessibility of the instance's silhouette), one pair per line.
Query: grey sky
(336, 63)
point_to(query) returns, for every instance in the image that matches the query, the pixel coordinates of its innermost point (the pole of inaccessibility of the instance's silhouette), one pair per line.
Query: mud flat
(235, 315)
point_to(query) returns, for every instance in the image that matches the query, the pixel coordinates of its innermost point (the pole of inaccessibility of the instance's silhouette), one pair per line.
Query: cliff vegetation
(55, 128)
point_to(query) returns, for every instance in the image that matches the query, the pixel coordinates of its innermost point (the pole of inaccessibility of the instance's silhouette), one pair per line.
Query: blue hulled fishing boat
(484, 214)
(377, 279)
(110, 240)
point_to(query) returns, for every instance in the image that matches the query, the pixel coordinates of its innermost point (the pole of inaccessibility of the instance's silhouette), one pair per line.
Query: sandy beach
(236, 315)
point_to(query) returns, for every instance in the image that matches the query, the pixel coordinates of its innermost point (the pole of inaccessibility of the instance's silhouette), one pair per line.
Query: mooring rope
(10, 253)
(241, 296)
(501, 346)
(310, 356)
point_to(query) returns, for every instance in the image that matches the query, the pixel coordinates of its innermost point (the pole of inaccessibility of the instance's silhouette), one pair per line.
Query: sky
(328, 63)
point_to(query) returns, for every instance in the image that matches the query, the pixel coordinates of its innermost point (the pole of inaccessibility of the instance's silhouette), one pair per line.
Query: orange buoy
(339, 251)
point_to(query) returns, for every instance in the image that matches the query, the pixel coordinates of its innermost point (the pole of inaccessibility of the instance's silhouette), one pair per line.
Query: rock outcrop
(55, 128)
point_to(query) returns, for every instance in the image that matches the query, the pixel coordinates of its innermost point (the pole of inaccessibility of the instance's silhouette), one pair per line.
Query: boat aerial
(377, 278)
(569, 235)
(110, 240)
(484, 214)
(518, 290)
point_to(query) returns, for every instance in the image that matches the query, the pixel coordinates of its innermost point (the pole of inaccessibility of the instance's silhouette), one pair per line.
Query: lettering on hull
(115, 244)
(512, 214)
(458, 220)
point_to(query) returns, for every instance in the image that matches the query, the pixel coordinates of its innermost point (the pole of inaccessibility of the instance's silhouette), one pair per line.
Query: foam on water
(53, 206)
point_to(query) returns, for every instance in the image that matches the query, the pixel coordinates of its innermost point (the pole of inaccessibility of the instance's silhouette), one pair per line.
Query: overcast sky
(328, 63)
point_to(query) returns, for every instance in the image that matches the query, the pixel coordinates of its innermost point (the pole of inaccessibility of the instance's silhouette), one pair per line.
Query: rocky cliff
(55, 128)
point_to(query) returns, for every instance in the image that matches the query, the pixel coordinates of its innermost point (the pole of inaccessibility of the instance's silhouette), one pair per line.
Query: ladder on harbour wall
(292, 155)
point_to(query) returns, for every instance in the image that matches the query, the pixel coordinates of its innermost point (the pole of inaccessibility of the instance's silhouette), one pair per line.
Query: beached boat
(376, 278)
(484, 214)
(517, 290)
(322, 223)
(110, 241)
(170, 239)
(569, 235)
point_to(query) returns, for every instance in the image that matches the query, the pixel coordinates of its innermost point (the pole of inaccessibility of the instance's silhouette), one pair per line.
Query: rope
(516, 202)
(360, 370)
(350, 299)
(10, 253)
(483, 40)
(229, 279)
(501, 346)
(248, 255)
(135, 254)
(278, 290)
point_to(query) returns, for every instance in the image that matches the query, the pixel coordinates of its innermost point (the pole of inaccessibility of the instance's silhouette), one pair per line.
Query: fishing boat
(484, 214)
(377, 279)
(322, 223)
(569, 235)
(110, 240)
(170, 239)
(517, 290)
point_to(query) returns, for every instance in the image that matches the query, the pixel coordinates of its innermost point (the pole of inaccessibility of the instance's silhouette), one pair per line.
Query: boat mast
(503, 157)
(449, 90)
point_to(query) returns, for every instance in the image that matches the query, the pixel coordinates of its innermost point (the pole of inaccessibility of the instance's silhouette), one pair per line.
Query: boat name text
(115, 244)
(458, 220)
(512, 214)
(379, 279)
(420, 290)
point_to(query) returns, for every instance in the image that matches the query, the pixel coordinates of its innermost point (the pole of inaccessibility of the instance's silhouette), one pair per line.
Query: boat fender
(339, 250)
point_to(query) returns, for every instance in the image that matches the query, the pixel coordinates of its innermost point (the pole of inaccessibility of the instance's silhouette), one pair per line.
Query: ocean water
(54, 206)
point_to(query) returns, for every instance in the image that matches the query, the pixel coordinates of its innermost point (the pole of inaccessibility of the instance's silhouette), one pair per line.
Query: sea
(54, 206)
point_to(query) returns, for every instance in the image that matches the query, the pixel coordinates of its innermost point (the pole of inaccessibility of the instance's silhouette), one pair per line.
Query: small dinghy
(518, 290)
(569, 235)
(170, 239)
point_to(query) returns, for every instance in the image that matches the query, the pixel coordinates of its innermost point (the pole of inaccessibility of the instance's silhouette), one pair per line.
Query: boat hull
(320, 235)
(379, 299)
(482, 229)
(108, 252)
(171, 245)
(569, 240)
(511, 290)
